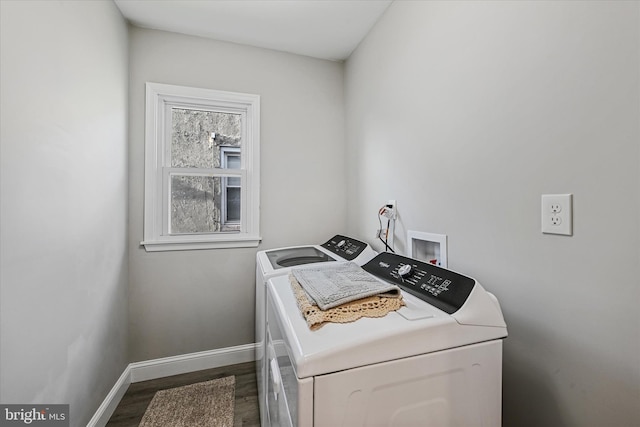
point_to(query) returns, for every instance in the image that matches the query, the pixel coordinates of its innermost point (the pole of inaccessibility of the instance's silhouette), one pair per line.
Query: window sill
(193, 244)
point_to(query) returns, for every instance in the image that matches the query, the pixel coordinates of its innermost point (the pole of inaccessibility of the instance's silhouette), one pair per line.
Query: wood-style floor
(135, 401)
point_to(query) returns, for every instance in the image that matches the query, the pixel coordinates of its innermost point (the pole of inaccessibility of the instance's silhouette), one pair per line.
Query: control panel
(438, 286)
(346, 247)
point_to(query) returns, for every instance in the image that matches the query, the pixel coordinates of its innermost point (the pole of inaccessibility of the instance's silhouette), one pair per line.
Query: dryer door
(289, 398)
(277, 405)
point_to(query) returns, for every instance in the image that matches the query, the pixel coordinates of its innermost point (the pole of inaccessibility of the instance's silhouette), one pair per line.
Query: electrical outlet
(391, 212)
(557, 212)
(555, 207)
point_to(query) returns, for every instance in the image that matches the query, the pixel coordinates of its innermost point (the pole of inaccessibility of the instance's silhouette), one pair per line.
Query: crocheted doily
(374, 306)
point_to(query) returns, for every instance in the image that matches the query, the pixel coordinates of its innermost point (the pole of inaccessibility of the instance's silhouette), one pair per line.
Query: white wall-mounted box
(428, 247)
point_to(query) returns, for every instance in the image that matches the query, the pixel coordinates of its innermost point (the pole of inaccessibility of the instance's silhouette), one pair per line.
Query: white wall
(182, 302)
(466, 112)
(63, 307)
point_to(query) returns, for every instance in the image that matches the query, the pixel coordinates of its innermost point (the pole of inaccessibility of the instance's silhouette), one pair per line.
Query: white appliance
(278, 262)
(435, 362)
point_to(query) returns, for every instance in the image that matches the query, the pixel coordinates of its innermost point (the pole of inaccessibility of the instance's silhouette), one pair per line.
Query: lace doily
(374, 306)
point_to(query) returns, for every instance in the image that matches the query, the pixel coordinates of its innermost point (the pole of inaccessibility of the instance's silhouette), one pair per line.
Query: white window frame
(159, 99)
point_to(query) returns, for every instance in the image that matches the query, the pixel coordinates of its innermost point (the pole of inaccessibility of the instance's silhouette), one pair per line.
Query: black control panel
(438, 286)
(346, 247)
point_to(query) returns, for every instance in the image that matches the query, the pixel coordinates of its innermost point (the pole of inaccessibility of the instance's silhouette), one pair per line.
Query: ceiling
(326, 29)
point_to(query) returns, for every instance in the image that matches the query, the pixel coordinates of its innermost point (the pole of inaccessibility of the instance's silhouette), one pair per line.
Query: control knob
(405, 271)
(341, 243)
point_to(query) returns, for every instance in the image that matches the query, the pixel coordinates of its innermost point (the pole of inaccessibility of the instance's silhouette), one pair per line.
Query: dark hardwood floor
(247, 414)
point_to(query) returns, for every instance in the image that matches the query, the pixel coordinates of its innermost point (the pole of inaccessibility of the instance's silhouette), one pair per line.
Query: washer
(435, 362)
(278, 262)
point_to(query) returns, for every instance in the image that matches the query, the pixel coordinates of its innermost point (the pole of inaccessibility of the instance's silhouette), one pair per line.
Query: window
(201, 169)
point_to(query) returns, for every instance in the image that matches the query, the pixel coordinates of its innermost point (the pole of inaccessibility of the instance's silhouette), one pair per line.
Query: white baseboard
(110, 403)
(165, 367)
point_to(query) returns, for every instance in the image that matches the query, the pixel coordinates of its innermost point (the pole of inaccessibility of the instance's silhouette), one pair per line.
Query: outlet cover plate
(557, 214)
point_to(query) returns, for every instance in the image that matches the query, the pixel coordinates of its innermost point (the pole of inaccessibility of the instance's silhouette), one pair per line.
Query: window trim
(156, 234)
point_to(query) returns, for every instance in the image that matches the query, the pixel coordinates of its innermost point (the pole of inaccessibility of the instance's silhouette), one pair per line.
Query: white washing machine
(278, 262)
(435, 362)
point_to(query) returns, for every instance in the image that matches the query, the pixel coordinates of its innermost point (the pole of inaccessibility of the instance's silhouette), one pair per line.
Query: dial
(341, 243)
(405, 270)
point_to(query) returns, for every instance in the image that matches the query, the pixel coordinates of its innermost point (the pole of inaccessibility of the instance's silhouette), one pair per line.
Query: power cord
(389, 214)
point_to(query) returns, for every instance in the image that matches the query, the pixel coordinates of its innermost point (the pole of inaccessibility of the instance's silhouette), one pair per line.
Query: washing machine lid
(273, 262)
(300, 255)
(418, 328)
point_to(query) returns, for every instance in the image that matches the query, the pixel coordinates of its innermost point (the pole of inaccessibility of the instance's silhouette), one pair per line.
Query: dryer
(435, 362)
(279, 262)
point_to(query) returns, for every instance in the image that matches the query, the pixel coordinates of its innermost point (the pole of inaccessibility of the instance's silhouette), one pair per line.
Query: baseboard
(165, 367)
(110, 403)
(175, 365)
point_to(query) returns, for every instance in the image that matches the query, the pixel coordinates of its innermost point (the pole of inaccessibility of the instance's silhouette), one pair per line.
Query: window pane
(233, 204)
(196, 137)
(233, 161)
(196, 204)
